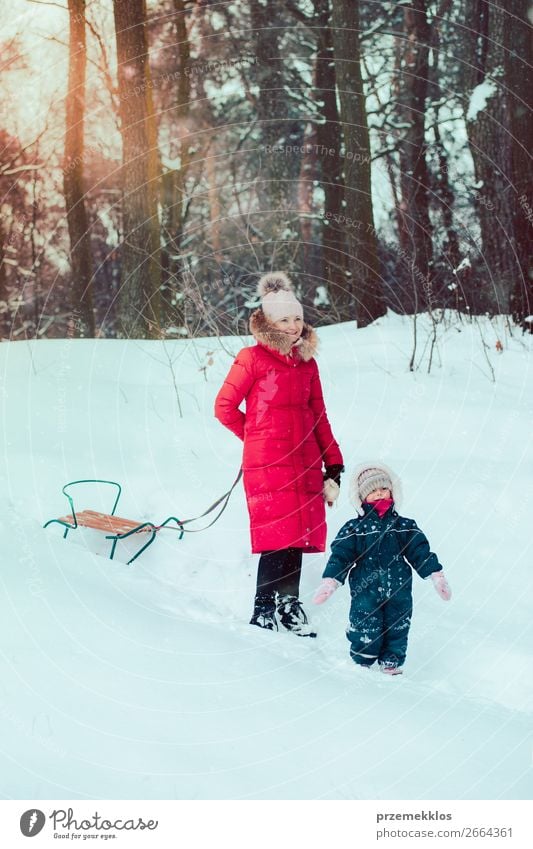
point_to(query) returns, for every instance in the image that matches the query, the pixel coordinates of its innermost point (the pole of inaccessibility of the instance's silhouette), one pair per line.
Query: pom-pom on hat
(370, 476)
(277, 296)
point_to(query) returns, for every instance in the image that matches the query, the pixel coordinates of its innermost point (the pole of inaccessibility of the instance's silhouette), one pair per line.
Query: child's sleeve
(417, 552)
(343, 553)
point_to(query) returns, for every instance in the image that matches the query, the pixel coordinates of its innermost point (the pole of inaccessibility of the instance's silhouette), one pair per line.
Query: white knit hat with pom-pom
(277, 296)
(370, 476)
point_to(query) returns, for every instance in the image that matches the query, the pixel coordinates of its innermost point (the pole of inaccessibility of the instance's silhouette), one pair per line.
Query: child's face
(378, 494)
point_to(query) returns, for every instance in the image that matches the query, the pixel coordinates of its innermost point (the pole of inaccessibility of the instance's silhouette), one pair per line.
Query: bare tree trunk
(139, 295)
(174, 181)
(215, 208)
(271, 104)
(278, 178)
(360, 298)
(306, 178)
(329, 137)
(491, 144)
(3, 275)
(415, 229)
(519, 80)
(443, 189)
(78, 227)
(76, 324)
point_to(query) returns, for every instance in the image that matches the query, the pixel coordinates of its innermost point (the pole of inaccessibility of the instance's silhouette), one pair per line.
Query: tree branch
(49, 3)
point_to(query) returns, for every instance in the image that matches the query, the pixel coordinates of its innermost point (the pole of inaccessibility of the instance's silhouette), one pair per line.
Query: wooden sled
(114, 527)
(117, 528)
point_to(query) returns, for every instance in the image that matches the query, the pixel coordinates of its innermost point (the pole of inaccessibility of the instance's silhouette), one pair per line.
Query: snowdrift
(146, 682)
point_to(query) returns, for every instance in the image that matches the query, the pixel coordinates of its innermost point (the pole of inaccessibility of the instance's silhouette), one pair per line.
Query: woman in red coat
(287, 438)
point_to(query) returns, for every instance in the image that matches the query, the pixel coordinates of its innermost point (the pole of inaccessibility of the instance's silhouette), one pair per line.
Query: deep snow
(145, 681)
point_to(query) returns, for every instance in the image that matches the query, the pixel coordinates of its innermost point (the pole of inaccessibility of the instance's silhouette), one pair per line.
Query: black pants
(279, 571)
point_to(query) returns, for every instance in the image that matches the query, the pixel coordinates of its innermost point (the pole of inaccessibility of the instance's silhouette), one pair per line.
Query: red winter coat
(287, 437)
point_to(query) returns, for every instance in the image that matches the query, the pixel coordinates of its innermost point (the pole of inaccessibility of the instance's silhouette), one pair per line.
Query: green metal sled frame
(119, 536)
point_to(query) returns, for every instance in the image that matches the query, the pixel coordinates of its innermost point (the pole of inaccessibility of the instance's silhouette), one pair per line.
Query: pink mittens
(325, 590)
(441, 585)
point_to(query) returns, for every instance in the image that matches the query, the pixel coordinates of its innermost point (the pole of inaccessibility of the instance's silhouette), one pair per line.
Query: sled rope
(225, 498)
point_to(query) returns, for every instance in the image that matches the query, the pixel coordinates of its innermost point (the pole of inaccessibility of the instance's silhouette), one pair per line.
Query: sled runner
(116, 528)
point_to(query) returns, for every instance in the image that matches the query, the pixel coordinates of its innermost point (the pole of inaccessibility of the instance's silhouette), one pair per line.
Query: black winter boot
(264, 615)
(292, 616)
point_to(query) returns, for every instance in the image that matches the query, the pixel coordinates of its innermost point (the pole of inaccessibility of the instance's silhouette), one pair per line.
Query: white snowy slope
(146, 681)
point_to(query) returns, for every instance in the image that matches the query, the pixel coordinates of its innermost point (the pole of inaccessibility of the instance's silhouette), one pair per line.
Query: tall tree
(442, 188)
(3, 274)
(329, 137)
(73, 182)
(281, 125)
(491, 143)
(174, 180)
(519, 81)
(412, 90)
(361, 296)
(139, 295)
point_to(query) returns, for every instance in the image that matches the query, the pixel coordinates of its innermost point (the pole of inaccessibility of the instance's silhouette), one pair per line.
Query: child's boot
(390, 666)
(264, 615)
(293, 617)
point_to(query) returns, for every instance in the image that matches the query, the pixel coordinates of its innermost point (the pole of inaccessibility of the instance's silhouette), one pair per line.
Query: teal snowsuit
(377, 554)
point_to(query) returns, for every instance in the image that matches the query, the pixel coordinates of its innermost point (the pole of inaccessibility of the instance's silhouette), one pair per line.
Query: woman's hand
(331, 492)
(332, 482)
(334, 472)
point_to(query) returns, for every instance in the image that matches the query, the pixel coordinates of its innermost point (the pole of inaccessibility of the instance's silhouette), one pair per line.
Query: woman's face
(291, 325)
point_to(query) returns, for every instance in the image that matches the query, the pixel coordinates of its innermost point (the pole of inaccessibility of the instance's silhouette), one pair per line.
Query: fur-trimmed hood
(268, 335)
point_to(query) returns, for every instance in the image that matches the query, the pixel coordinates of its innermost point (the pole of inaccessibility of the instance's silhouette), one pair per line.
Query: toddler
(376, 551)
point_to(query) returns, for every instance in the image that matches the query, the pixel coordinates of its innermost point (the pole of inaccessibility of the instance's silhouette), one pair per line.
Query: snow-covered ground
(145, 681)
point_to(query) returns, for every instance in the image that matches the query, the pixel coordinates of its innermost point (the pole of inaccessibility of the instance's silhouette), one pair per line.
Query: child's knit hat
(370, 476)
(277, 296)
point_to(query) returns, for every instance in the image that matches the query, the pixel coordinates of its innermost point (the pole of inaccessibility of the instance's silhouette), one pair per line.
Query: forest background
(156, 157)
